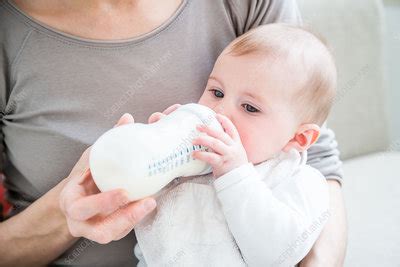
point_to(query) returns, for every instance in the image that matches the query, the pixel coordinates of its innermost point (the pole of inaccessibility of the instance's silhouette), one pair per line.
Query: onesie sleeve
(273, 226)
(248, 14)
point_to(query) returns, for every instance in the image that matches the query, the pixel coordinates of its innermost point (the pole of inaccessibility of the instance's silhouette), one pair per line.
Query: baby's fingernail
(149, 204)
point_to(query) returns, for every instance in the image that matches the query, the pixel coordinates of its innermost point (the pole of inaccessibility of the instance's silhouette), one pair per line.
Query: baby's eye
(250, 108)
(217, 93)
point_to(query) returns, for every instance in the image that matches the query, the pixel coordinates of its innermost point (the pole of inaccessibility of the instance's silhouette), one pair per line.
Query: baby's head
(276, 83)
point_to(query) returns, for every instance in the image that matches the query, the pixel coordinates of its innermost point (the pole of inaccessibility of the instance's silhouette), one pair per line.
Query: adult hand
(99, 216)
(156, 116)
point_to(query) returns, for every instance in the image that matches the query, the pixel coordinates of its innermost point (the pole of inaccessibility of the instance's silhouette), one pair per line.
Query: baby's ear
(306, 135)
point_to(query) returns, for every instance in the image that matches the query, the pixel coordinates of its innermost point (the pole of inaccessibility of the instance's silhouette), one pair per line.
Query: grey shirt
(59, 93)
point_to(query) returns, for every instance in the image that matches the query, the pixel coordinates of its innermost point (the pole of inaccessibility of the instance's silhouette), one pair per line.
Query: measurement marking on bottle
(173, 160)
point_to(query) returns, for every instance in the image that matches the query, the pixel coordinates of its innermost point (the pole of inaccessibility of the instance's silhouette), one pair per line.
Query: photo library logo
(84, 244)
(139, 84)
(174, 260)
(187, 141)
(317, 224)
(351, 84)
(101, 233)
(14, 100)
(392, 147)
(183, 254)
(177, 156)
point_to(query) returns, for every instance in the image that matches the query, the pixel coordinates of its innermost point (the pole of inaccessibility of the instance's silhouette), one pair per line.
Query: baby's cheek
(256, 147)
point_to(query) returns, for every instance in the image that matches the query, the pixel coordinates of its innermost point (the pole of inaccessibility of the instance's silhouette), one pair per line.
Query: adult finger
(156, 116)
(125, 119)
(171, 108)
(121, 221)
(72, 190)
(78, 172)
(102, 203)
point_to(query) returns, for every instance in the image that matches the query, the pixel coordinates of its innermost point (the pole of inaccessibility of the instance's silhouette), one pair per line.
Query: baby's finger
(228, 126)
(209, 157)
(216, 145)
(155, 117)
(219, 134)
(102, 203)
(171, 108)
(123, 220)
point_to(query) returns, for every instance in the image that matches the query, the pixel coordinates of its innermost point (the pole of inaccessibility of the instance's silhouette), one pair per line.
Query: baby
(272, 89)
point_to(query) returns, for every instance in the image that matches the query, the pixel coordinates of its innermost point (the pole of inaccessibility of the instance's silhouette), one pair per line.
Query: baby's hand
(228, 151)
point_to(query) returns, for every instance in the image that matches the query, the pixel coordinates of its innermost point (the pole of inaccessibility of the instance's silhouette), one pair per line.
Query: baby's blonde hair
(304, 49)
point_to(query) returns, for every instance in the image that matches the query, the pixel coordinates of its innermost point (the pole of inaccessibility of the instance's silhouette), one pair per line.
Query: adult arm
(37, 235)
(330, 248)
(72, 209)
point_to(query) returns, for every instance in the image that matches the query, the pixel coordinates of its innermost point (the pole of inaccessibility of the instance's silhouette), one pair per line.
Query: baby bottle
(143, 158)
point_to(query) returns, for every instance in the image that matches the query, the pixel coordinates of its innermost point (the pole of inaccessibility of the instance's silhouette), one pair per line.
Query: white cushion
(354, 31)
(372, 197)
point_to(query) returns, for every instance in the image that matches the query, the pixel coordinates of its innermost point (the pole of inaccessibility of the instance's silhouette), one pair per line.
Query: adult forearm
(330, 248)
(37, 235)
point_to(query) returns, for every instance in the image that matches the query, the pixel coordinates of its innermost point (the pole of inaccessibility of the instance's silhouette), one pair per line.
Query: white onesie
(269, 214)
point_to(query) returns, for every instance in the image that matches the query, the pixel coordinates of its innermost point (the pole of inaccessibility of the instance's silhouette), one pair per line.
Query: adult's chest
(64, 95)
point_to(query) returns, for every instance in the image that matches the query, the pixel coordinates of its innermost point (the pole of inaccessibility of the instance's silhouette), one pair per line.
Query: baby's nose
(220, 109)
(224, 111)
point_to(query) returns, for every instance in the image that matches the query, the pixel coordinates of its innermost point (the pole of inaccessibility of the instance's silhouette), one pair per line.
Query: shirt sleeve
(287, 219)
(248, 14)
(13, 34)
(2, 101)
